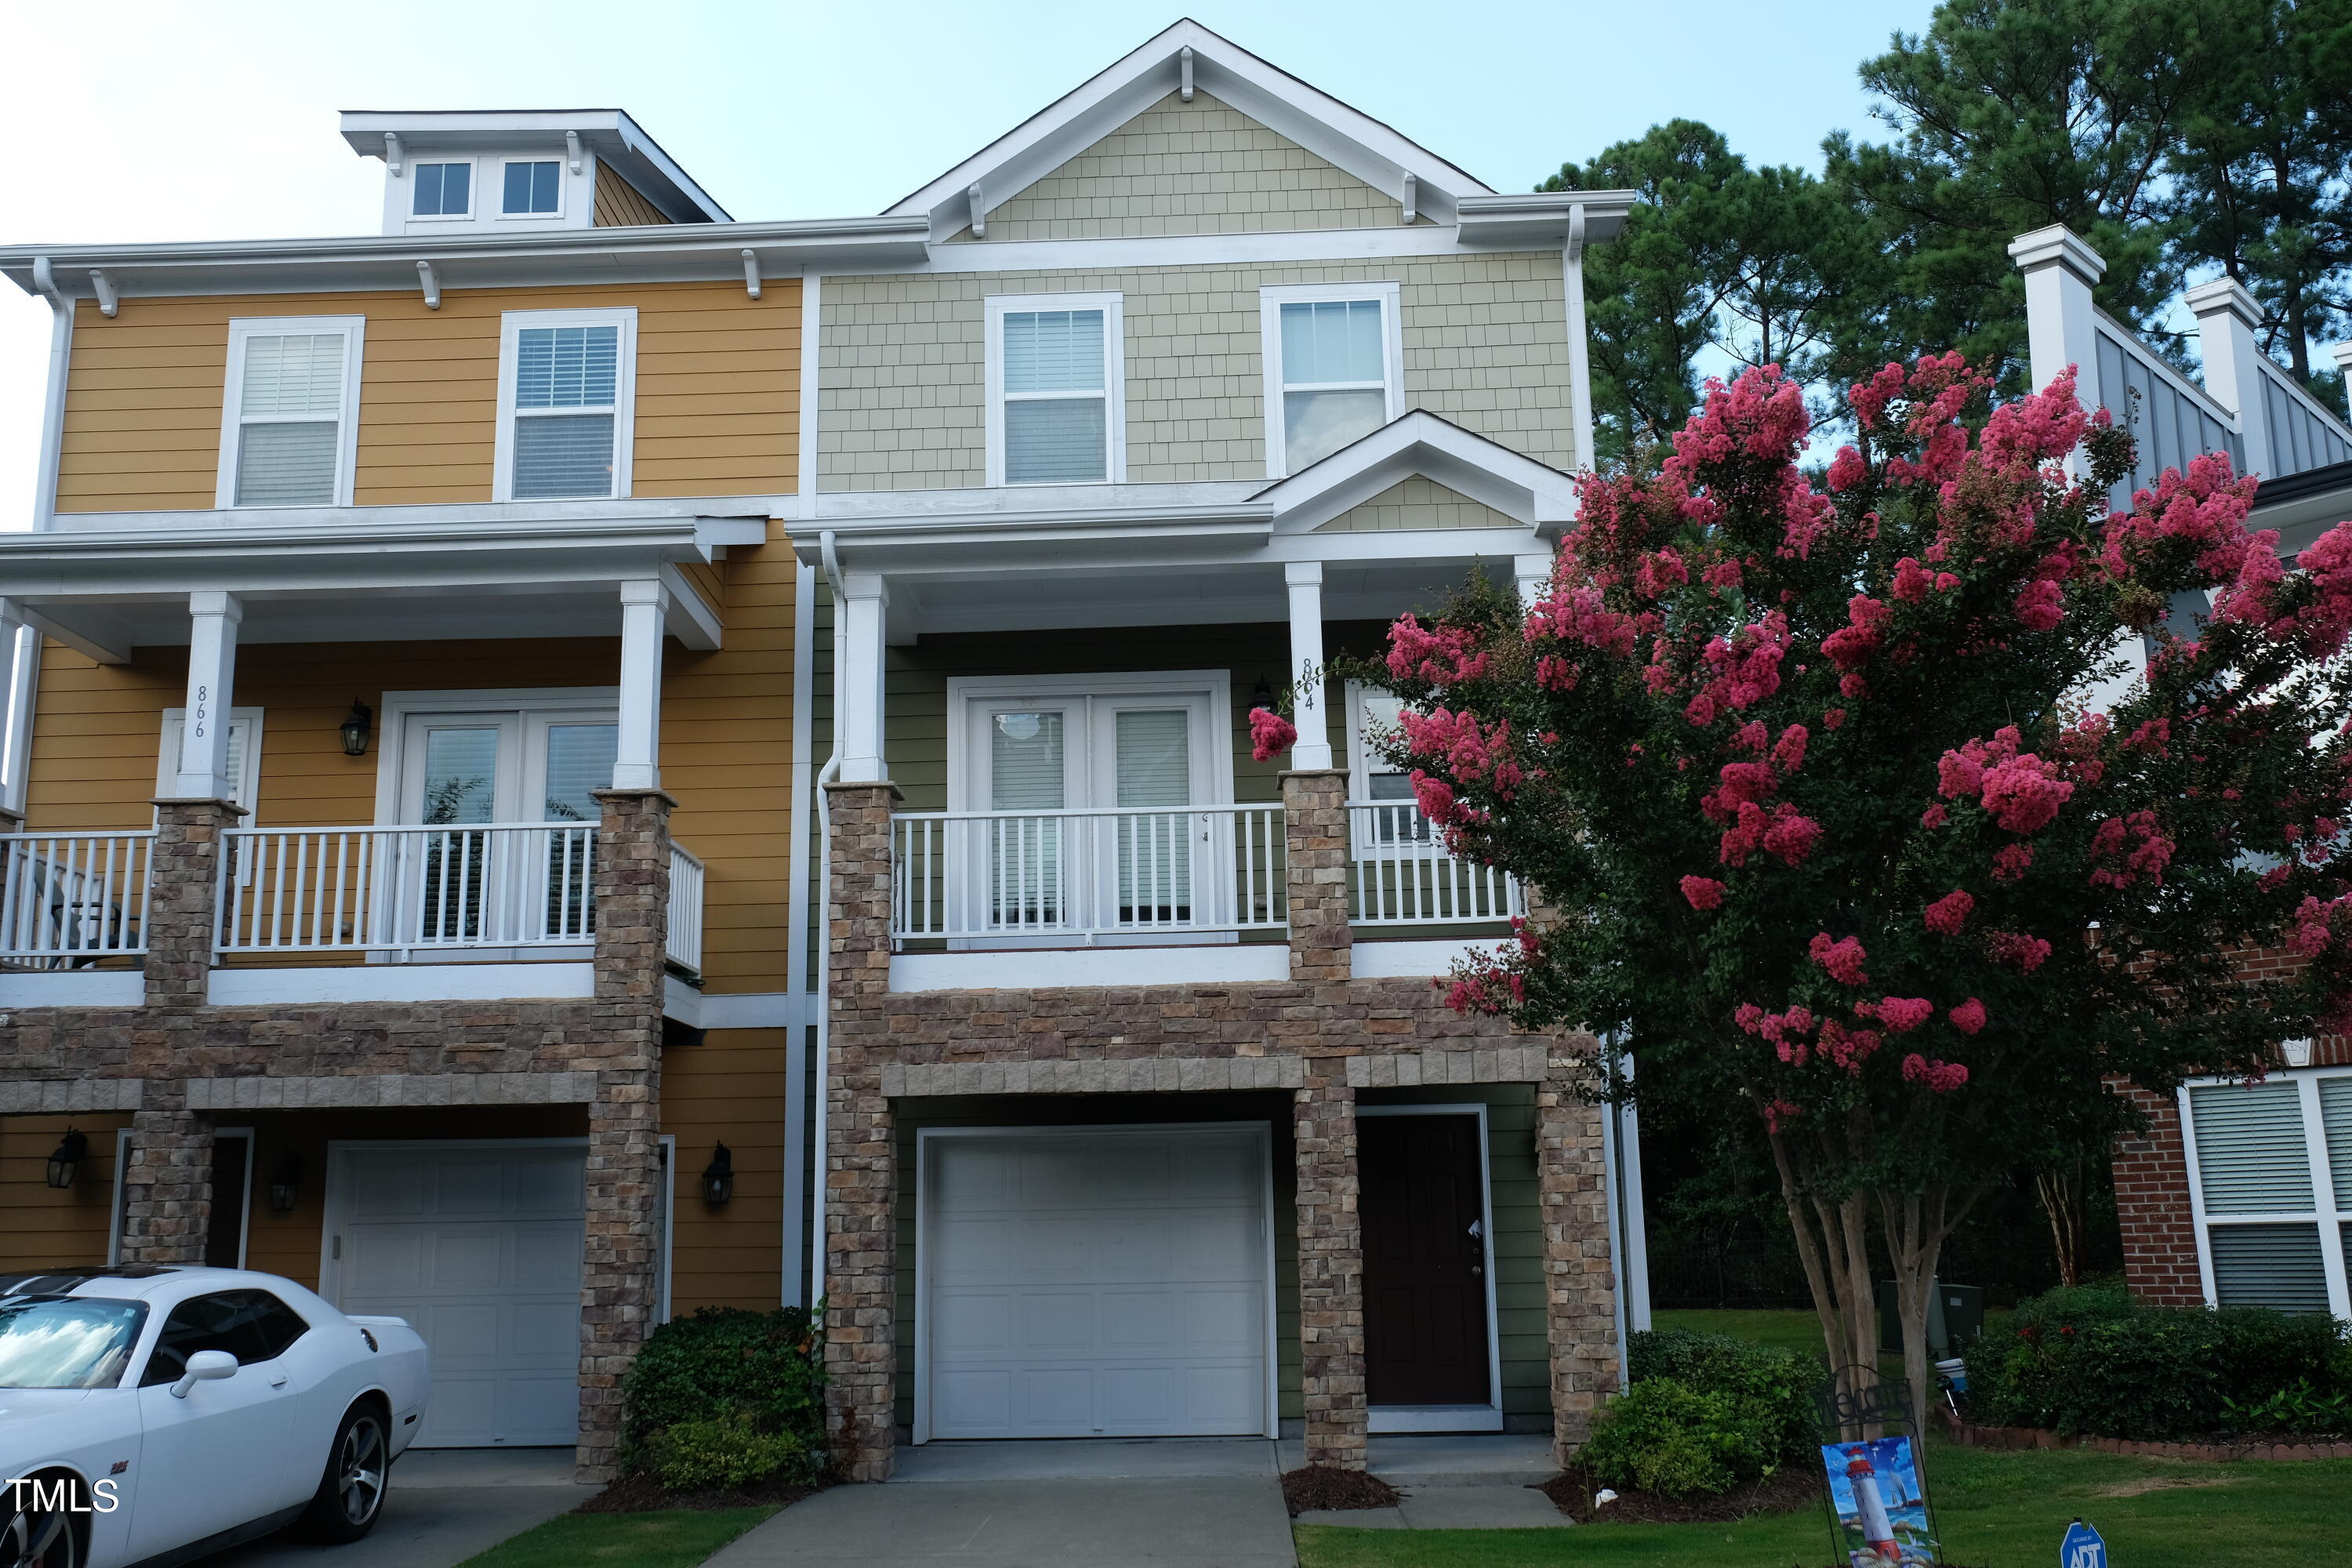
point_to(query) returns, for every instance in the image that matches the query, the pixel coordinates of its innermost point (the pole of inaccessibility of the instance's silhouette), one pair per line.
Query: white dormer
(491, 172)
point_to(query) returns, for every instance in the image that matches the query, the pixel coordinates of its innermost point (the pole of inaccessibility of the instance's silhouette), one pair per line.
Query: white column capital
(1296, 572)
(646, 591)
(1531, 573)
(213, 602)
(2223, 293)
(2342, 355)
(2057, 246)
(865, 585)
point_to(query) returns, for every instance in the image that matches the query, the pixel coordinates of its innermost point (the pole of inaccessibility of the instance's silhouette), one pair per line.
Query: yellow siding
(620, 204)
(42, 1226)
(717, 389)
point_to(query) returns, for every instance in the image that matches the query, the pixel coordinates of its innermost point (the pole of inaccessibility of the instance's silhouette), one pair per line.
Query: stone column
(167, 1187)
(619, 1282)
(1579, 1288)
(1315, 827)
(184, 886)
(859, 1262)
(1330, 1268)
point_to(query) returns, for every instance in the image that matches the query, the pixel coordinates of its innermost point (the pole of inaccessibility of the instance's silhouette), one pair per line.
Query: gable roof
(1421, 442)
(1346, 138)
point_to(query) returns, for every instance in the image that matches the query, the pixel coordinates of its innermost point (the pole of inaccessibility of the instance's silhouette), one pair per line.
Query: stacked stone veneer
(177, 1062)
(1320, 1034)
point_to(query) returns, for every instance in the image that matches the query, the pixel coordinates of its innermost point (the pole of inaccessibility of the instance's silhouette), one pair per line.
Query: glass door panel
(572, 760)
(1151, 761)
(461, 773)
(1028, 772)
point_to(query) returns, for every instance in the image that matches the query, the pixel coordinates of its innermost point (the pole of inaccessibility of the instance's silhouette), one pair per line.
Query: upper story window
(1334, 369)
(1056, 409)
(533, 188)
(290, 417)
(442, 190)
(566, 382)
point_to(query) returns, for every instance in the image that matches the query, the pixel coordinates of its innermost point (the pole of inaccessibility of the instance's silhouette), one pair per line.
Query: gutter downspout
(826, 775)
(53, 407)
(1614, 1191)
(1580, 362)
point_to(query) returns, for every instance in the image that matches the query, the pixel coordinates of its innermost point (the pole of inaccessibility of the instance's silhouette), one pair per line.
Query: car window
(66, 1342)
(237, 1321)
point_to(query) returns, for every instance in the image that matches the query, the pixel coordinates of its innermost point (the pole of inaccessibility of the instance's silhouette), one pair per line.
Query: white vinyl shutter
(2268, 1266)
(2251, 1157)
(289, 418)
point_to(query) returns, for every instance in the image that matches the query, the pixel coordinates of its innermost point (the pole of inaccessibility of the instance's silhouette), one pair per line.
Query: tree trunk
(2061, 1192)
(1834, 1245)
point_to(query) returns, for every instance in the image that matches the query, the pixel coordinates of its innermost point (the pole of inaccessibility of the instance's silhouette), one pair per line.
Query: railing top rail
(681, 852)
(53, 834)
(407, 827)
(1088, 811)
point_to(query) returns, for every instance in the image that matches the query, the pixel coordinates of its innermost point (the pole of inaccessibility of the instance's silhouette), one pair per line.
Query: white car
(151, 1415)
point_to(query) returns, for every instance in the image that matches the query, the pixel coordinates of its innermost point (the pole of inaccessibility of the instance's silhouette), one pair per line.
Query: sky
(213, 121)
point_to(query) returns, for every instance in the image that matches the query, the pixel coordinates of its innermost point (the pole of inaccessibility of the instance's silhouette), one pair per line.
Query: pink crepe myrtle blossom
(2026, 953)
(2037, 428)
(2024, 792)
(1841, 959)
(1271, 734)
(2131, 847)
(1940, 1077)
(1901, 1014)
(1852, 646)
(1703, 892)
(1436, 799)
(1847, 1048)
(2011, 861)
(1947, 914)
(1834, 719)
(1442, 656)
(1789, 750)
(1969, 1016)
(1579, 615)
(1935, 816)
(1779, 1110)
(2040, 606)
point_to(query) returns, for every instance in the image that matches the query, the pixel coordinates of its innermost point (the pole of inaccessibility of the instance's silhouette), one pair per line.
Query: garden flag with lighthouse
(1881, 1508)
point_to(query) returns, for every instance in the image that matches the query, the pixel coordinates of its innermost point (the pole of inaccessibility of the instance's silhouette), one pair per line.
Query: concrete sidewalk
(1454, 1483)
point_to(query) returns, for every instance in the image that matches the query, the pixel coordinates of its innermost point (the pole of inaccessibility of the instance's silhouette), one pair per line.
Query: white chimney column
(2226, 318)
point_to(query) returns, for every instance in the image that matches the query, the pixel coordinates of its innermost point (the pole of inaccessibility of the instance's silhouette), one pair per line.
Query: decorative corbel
(571, 150)
(1411, 198)
(978, 214)
(1184, 73)
(751, 273)
(431, 280)
(109, 301)
(392, 152)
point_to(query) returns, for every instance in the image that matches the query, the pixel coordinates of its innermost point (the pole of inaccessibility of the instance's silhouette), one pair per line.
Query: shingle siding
(1416, 503)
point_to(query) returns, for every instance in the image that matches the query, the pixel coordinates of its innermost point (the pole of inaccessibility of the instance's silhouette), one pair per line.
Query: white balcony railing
(683, 944)
(1120, 873)
(405, 890)
(68, 899)
(1400, 873)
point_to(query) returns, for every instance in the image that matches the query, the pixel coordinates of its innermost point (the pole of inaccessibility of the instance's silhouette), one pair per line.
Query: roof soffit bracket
(571, 150)
(108, 302)
(979, 214)
(1184, 66)
(431, 280)
(751, 272)
(391, 152)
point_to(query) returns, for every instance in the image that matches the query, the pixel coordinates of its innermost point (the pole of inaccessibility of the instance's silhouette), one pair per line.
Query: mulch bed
(2213, 1449)
(1319, 1487)
(642, 1494)
(1788, 1488)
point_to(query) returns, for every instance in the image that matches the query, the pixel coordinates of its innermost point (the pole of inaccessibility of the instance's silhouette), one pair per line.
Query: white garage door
(478, 1245)
(1082, 1284)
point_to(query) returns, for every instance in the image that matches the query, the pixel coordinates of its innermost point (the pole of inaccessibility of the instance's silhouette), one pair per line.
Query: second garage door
(1094, 1283)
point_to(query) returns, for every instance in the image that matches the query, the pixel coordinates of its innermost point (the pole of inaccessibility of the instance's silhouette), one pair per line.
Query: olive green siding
(904, 371)
(1202, 167)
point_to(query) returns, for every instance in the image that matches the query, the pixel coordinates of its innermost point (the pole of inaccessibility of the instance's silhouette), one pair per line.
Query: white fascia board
(1346, 138)
(1542, 219)
(1421, 443)
(1224, 964)
(730, 520)
(317, 984)
(1204, 249)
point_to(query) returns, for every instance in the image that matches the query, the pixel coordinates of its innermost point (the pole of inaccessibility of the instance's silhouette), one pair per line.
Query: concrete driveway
(444, 1505)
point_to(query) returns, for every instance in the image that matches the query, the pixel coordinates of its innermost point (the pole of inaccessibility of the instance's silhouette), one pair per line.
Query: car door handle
(278, 1381)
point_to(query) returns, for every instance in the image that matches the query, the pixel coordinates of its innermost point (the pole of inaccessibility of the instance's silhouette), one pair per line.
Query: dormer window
(533, 189)
(442, 190)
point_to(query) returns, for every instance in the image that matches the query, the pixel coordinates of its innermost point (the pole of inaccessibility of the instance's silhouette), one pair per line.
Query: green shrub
(1667, 1439)
(1772, 1391)
(726, 1377)
(2096, 1362)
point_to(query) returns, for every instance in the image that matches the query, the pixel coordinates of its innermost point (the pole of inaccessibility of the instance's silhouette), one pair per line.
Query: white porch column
(1533, 575)
(20, 659)
(212, 619)
(2061, 321)
(865, 608)
(645, 607)
(1306, 582)
(2226, 318)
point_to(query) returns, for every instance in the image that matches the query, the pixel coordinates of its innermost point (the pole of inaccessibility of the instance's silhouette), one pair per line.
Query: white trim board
(314, 983)
(1263, 1131)
(1487, 1417)
(72, 988)
(991, 969)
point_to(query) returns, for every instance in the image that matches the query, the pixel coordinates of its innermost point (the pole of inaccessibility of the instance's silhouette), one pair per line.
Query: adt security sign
(2082, 1548)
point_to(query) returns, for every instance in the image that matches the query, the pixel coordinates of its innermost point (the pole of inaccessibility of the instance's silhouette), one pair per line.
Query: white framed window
(290, 413)
(530, 187)
(567, 402)
(1371, 776)
(244, 755)
(2270, 1187)
(1056, 398)
(1334, 368)
(442, 189)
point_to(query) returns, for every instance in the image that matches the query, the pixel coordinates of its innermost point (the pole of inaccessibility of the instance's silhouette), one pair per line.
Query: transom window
(568, 379)
(532, 187)
(1055, 408)
(1333, 359)
(292, 408)
(2273, 1190)
(442, 190)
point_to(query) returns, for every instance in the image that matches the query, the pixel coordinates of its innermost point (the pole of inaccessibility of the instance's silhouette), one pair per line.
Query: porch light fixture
(67, 1161)
(1261, 694)
(2296, 1052)
(718, 1178)
(286, 1186)
(356, 725)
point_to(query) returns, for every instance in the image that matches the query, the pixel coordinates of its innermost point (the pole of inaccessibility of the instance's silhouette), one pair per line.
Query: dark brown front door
(1425, 1259)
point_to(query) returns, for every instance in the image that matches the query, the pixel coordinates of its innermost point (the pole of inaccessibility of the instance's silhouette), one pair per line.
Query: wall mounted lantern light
(355, 727)
(286, 1186)
(67, 1161)
(718, 1178)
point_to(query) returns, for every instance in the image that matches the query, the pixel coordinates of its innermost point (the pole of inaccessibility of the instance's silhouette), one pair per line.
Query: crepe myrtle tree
(1808, 773)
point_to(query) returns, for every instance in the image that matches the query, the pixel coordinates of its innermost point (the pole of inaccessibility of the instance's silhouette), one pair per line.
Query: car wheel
(351, 1492)
(38, 1536)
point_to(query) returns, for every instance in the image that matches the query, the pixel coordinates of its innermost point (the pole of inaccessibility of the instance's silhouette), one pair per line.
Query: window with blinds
(1153, 759)
(2251, 1157)
(1334, 376)
(291, 408)
(2268, 1266)
(1027, 772)
(565, 404)
(2257, 1148)
(1056, 397)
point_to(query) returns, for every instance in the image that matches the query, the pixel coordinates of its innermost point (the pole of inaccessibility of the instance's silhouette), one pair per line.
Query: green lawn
(675, 1538)
(1798, 1330)
(1996, 1510)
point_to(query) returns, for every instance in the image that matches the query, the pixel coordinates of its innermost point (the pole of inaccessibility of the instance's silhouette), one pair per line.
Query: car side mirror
(205, 1366)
